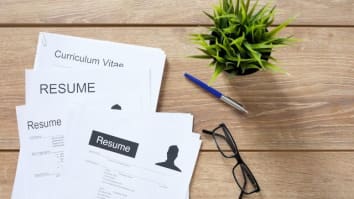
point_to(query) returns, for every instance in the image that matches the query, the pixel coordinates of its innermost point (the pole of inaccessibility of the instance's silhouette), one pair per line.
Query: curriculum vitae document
(55, 50)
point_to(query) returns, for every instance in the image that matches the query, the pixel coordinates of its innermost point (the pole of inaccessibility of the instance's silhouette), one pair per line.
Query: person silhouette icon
(116, 107)
(172, 154)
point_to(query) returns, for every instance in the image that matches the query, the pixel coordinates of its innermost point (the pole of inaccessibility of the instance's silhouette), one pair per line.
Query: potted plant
(240, 41)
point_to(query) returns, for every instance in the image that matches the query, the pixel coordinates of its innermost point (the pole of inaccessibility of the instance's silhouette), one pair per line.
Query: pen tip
(243, 110)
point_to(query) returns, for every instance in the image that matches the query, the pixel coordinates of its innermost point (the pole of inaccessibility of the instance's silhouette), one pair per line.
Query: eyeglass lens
(244, 178)
(221, 141)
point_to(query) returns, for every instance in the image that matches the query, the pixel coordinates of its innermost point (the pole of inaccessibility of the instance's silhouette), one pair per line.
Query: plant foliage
(240, 41)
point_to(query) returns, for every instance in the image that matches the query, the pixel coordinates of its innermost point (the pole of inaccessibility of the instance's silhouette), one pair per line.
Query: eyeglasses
(228, 148)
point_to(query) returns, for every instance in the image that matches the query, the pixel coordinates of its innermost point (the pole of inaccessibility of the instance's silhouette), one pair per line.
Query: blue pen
(217, 94)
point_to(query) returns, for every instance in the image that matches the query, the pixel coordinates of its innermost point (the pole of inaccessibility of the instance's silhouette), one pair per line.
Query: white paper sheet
(99, 88)
(55, 50)
(19, 184)
(41, 131)
(93, 172)
(43, 148)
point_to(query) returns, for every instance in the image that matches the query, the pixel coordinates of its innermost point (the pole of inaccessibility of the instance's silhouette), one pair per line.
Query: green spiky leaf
(241, 37)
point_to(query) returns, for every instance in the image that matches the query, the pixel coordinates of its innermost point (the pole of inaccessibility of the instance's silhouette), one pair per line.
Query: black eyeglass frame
(244, 168)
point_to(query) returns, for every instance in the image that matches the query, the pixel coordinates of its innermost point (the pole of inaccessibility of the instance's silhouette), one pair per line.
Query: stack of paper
(89, 127)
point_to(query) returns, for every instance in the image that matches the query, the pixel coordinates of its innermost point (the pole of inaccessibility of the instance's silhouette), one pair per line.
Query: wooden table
(299, 136)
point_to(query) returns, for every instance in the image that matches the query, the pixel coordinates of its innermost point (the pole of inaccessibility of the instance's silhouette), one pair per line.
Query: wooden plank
(313, 108)
(292, 175)
(7, 173)
(280, 174)
(309, 12)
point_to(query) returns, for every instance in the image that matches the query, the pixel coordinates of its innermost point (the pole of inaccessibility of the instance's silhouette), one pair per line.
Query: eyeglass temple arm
(211, 133)
(207, 132)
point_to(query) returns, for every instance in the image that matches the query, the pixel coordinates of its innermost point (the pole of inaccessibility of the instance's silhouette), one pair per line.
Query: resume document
(129, 157)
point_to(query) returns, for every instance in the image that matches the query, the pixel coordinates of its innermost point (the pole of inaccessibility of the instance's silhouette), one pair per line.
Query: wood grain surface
(290, 175)
(308, 12)
(299, 136)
